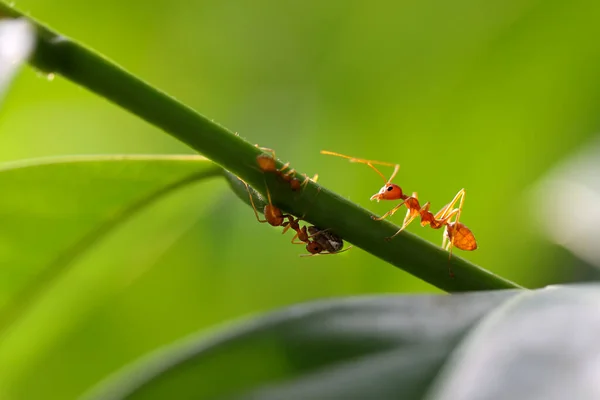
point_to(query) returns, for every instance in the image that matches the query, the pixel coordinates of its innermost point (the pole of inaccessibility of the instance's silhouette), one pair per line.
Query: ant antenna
(369, 163)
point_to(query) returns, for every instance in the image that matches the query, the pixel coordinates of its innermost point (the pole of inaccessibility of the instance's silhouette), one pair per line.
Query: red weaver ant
(455, 233)
(266, 162)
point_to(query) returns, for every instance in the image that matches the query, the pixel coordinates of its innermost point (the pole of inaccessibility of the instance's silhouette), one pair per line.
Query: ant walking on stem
(266, 162)
(456, 234)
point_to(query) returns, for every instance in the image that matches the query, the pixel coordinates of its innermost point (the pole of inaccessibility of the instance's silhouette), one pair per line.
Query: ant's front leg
(389, 213)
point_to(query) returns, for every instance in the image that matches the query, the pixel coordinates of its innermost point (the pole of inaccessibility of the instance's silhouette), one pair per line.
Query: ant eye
(390, 188)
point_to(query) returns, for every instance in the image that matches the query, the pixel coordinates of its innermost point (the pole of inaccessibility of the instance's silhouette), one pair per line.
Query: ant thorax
(331, 242)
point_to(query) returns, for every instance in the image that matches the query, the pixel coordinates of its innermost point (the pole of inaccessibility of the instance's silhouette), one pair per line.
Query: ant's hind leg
(447, 209)
(445, 238)
(448, 245)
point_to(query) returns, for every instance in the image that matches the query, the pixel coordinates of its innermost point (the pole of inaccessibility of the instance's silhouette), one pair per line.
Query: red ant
(324, 241)
(456, 233)
(266, 162)
(329, 241)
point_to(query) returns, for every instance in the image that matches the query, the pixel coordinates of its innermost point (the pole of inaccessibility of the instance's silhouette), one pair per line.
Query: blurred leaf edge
(151, 368)
(58, 264)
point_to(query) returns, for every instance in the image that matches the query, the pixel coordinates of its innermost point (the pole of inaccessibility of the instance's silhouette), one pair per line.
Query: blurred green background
(476, 94)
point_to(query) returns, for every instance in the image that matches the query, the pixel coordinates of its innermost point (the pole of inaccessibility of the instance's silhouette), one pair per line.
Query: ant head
(266, 163)
(314, 248)
(390, 191)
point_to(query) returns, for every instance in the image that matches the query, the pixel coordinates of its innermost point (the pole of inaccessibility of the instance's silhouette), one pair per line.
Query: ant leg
(294, 241)
(445, 237)
(252, 202)
(341, 251)
(448, 245)
(460, 205)
(266, 150)
(291, 172)
(446, 214)
(287, 225)
(449, 249)
(319, 232)
(447, 209)
(307, 179)
(447, 217)
(411, 214)
(326, 253)
(389, 213)
(286, 166)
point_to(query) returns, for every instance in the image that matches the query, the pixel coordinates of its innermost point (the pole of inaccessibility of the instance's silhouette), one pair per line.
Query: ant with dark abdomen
(317, 240)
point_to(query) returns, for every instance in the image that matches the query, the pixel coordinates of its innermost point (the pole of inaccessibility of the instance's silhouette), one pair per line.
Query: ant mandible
(455, 233)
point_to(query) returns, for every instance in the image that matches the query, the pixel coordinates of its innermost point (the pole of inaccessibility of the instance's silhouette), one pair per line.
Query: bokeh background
(489, 96)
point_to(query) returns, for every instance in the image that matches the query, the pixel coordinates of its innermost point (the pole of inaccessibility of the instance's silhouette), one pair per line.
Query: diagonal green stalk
(59, 55)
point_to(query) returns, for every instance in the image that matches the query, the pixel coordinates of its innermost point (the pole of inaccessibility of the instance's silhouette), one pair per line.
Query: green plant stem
(59, 55)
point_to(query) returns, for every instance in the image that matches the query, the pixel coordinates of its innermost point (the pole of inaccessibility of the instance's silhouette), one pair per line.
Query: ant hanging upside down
(318, 241)
(456, 234)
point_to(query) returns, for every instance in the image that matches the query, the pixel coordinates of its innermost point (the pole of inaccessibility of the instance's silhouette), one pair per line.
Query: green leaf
(490, 345)
(62, 206)
(539, 345)
(366, 347)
